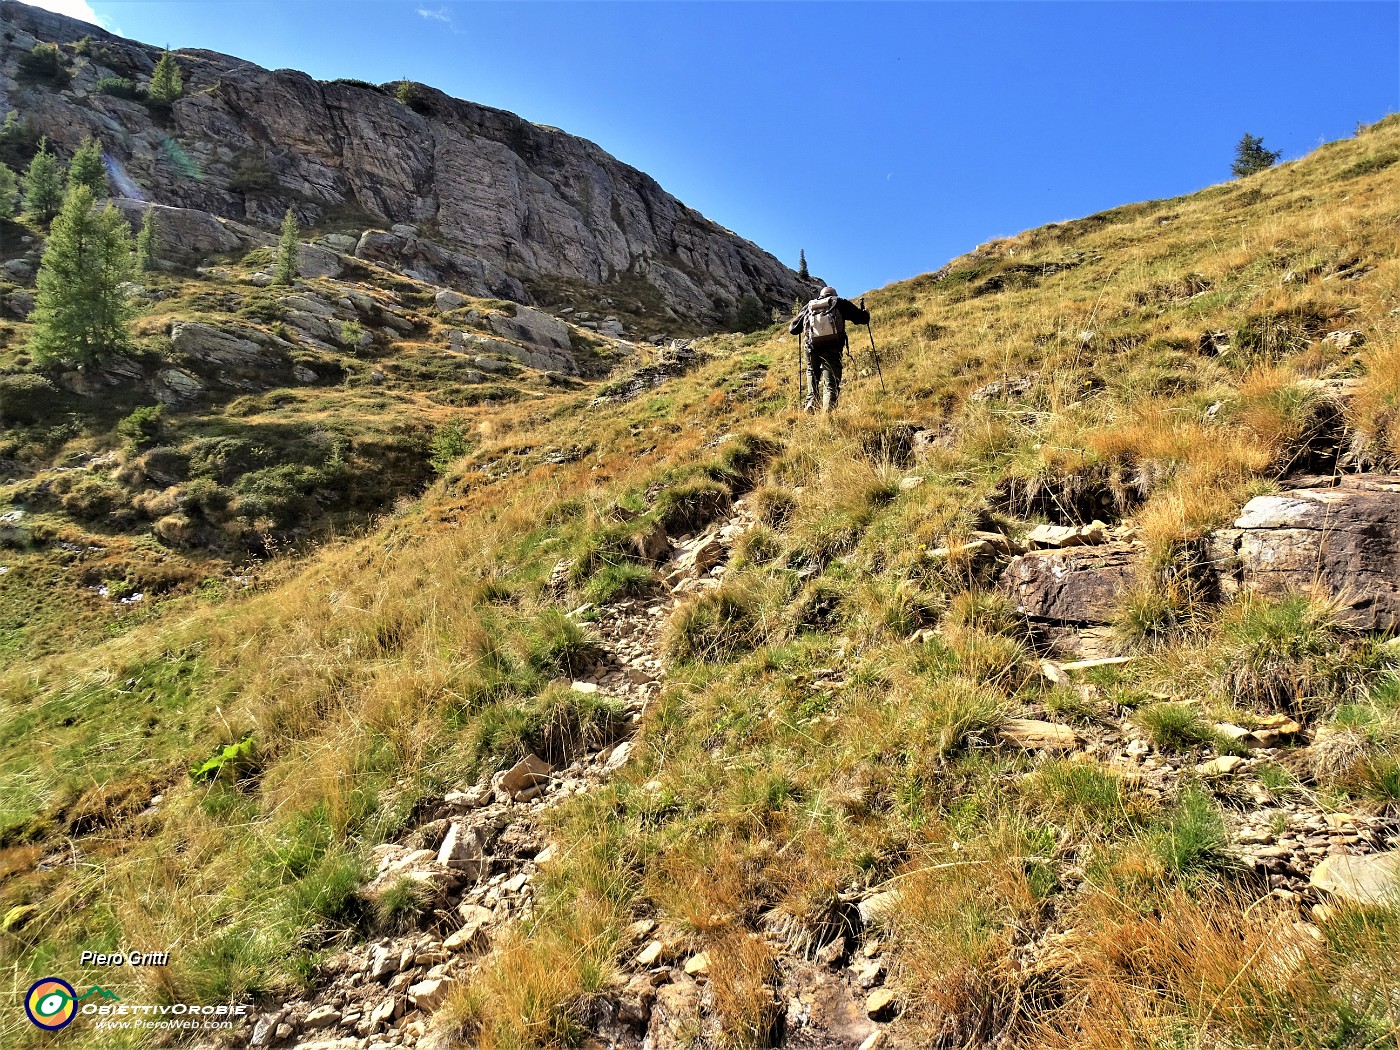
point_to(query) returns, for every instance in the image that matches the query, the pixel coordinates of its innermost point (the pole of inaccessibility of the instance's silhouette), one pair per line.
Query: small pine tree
(9, 191)
(411, 95)
(43, 185)
(146, 242)
(802, 264)
(285, 270)
(750, 315)
(167, 83)
(87, 168)
(1251, 156)
(82, 313)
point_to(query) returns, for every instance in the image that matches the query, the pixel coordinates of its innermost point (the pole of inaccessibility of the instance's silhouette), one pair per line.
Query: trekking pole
(874, 354)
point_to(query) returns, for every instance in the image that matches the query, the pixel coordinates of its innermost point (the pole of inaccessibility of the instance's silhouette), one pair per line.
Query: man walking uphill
(822, 324)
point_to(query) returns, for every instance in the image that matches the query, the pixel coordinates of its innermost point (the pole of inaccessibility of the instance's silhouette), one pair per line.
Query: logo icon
(100, 993)
(51, 1003)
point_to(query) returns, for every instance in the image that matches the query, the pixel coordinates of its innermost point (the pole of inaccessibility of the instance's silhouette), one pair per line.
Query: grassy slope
(404, 663)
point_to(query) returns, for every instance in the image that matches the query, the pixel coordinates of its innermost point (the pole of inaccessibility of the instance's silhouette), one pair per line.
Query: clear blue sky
(884, 138)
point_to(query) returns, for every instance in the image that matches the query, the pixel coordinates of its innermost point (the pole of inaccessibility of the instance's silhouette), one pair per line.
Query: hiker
(822, 323)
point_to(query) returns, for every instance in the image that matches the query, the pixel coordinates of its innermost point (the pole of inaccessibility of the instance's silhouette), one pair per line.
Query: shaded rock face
(1344, 540)
(469, 196)
(1082, 585)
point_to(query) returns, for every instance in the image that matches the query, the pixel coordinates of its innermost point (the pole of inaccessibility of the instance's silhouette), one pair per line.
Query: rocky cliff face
(465, 195)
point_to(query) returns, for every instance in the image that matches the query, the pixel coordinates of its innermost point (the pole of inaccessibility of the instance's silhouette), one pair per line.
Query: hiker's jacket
(850, 312)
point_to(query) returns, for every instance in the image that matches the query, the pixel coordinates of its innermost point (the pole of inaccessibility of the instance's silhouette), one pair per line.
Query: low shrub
(1174, 727)
(717, 625)
(120, 87)
(691, 505)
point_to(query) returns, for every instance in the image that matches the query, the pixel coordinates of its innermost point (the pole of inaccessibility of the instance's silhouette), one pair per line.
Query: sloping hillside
(852, 731)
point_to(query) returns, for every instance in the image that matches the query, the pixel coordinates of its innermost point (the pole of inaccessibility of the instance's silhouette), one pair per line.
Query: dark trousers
(823, 363)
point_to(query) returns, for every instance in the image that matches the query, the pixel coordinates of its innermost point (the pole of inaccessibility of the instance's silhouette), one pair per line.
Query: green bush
(411, 95)
(284, 495)
(144, 427)
(44, 64)
(627, 579)
(1283, 655)
(774, 506)
(402, 904)
(94, 499)
(120, 87)
(27, 399)
(750, 315)
(560, 645)
(1369, 165)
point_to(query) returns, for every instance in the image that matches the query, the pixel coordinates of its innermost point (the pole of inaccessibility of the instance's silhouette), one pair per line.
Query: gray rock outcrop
(1079, 585)
(1343, 540)
(461, 194)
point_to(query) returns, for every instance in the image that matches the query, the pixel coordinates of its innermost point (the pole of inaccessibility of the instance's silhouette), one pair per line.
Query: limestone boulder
(1373, 879)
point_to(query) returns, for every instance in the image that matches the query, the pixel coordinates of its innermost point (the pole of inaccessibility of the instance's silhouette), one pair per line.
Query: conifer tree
(285, 270)
(167, 83)
(87, 168)
(1251, 156)
(146, 242)
(9, 190)
(43, 185)
(82, 314)
(802, 264)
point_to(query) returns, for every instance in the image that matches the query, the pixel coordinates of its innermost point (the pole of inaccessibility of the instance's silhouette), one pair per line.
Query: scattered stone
(1220, 766)
(698, 965)
(910, 483)
(461, 849)
(1231, 732)
(448, 300)
(1044, 537)
(530, 771)
(321, 1017)
(1035, 735)
(1345, 539)
(1348, 339)
(427, 995)
(1073, 586)
(881, 1005)
(648, 955)
(878, 906)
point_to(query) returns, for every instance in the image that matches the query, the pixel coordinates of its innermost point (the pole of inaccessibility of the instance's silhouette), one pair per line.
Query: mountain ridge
(499, 205)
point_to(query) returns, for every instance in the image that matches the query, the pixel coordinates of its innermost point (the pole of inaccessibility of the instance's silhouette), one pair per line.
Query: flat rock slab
(1372, 879)
(1344, 539)
(1081, 585)
(1035, 735)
